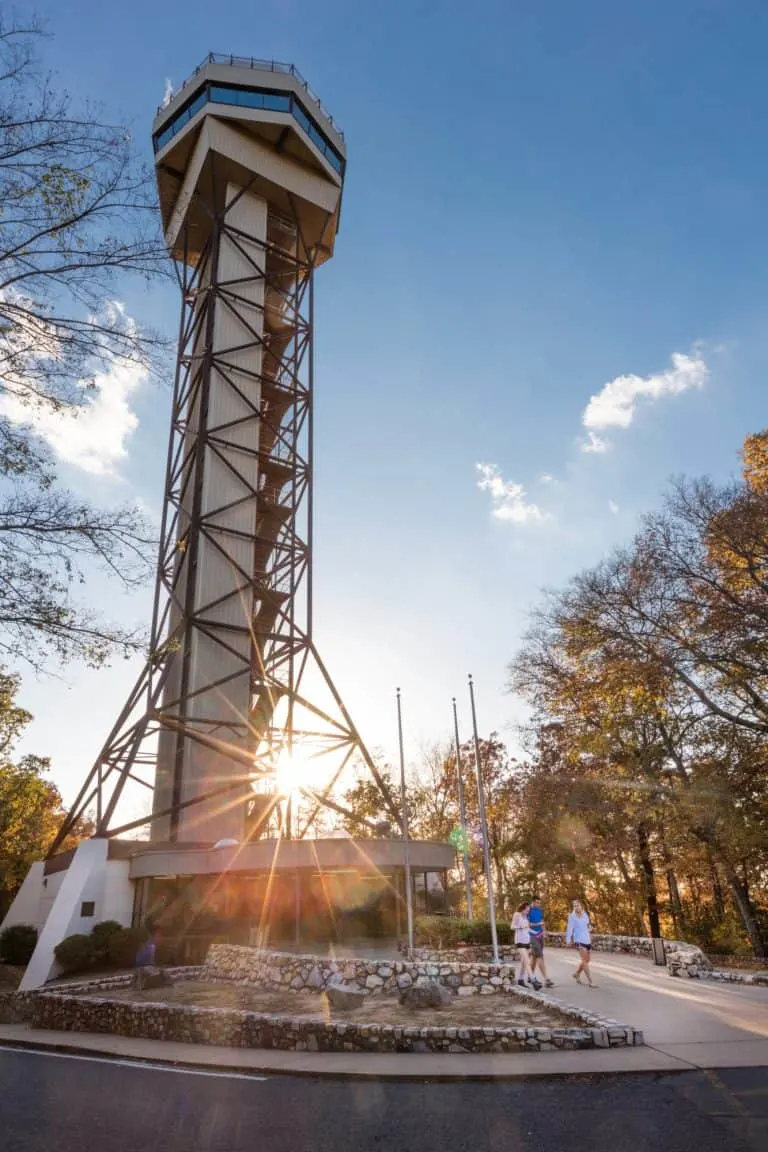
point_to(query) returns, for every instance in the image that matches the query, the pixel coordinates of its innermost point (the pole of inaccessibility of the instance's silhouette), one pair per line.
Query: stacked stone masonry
(686, 960)
(86, 1007)
(286, 970)
(239, 1029)
(601, 942)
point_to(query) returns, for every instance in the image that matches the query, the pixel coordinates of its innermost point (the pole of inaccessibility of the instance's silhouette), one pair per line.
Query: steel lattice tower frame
(234, 579)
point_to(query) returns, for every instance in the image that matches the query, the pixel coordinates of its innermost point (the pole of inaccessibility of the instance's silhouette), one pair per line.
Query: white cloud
(595, 443)
(614, 405)
(546, 478)
(92, 436)
(508, 500)
(614, 507)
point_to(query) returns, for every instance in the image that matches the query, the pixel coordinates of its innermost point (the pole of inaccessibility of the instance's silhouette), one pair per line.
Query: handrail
(262, 65)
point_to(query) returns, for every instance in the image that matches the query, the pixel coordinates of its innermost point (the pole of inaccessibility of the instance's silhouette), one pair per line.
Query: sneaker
(576, 977)
(549, 983)
(521, 983)
(535, 985)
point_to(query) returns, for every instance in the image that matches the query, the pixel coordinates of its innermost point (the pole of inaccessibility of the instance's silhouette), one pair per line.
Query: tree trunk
(738, 889)
(746, 911)
(649, 878)
(745, 874)
(718, 899)
(675, 903)
(694, 888)
(629, 885)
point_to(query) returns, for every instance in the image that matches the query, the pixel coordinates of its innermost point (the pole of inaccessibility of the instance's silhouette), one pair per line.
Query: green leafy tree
(654, 668)
(31, 807)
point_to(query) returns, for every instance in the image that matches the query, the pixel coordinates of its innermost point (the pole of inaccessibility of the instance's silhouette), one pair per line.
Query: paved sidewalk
(396, 1066)
(701, 1022)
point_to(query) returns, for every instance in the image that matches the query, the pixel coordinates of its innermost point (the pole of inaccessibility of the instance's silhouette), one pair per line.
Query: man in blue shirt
(536, 921)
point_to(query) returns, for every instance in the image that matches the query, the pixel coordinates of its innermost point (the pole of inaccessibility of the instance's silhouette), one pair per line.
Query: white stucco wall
(90, 877)
(51, 886)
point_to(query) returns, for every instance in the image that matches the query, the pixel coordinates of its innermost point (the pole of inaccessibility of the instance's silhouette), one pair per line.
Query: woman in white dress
(579, 934)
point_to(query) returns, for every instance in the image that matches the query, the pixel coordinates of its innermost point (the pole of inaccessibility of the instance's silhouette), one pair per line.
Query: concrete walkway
(351, 1065)
(701, 1022)
(687, 1024)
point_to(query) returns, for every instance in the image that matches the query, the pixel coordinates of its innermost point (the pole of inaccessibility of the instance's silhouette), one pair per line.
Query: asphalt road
(54, 1102)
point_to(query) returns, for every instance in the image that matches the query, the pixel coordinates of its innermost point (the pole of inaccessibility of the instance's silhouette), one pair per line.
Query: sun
(293, 772)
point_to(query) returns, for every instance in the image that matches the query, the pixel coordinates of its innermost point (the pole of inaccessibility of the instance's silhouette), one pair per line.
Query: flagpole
(462, 810)
(484, 828)
(406, 835)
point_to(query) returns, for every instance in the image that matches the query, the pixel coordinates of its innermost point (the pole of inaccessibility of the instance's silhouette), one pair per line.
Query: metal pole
(406, 835)
(98, 801)
(462, 809)
(484, 828)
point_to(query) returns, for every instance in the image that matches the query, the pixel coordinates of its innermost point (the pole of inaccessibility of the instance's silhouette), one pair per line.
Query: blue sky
(541, 199)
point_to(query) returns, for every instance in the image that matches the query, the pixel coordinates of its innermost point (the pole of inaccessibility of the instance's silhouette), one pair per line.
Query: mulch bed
(500, 1011)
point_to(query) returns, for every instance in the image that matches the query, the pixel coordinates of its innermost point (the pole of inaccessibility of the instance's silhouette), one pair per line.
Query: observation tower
(234, 725)
(241, 711)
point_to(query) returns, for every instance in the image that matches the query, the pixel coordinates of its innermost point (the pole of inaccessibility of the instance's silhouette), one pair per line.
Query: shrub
(101, 934)
(123, 947)
(76, 953)
(448, 931)
(17, 944)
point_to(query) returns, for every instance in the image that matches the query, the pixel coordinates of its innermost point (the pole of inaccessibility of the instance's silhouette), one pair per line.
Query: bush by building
(101, 934)
(17, 944)
(123, 947)
(448, 931)
(76, 953)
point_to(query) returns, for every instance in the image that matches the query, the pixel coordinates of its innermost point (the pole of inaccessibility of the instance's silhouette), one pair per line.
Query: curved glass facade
(251, 98)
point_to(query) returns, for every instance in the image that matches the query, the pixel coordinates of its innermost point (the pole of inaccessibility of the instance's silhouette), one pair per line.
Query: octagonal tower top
(268, 113)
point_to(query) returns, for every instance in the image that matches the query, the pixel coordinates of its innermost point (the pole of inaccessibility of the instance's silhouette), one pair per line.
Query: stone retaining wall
(689, 961)
(85, 1006)
(240, 1029)
(607, 942)
(286, 970)
(17, 1007)
(483, 953)
(13, 1009)
(682, 959)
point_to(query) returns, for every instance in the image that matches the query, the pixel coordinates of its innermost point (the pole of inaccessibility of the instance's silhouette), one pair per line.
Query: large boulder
(344, 997)
(149, 977)
(426, 995)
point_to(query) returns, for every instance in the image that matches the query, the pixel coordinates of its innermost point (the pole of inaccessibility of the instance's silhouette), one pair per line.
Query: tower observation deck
(250, 172)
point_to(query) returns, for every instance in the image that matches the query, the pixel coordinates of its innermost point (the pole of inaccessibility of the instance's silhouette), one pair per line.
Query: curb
(422, 1075)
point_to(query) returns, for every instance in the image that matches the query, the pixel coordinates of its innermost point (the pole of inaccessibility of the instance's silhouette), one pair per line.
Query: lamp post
(462, 810)
(406, 835)
(484, 827)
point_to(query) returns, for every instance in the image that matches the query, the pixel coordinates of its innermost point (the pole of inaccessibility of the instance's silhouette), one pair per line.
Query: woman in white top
(579, 934)
(522, 931)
